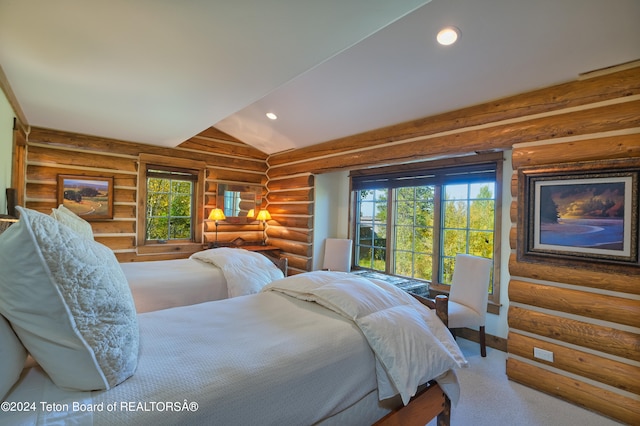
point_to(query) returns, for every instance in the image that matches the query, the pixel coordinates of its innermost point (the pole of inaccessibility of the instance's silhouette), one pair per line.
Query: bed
(200, 278)
(315, 348)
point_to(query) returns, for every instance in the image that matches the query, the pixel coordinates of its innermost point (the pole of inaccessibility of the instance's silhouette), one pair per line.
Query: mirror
(240, 203)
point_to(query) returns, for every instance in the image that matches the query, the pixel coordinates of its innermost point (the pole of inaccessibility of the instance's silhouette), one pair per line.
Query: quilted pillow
(69, 303)
(13, 356)
(73, 221)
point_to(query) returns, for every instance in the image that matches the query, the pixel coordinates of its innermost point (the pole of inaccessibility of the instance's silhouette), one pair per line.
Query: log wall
(48, 153)
(587, 318)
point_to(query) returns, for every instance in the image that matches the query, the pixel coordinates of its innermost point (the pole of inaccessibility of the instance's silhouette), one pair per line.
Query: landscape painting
(589, 217)
(89, 197)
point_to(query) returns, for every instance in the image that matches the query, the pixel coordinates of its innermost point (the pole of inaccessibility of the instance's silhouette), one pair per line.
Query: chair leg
(483, 343)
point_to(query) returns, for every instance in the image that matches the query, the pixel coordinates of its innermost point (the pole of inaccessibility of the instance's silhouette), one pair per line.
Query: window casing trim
(428, 172)
(196, 169)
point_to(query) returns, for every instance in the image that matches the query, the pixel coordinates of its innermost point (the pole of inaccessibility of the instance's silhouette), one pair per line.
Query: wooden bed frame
(430, 401)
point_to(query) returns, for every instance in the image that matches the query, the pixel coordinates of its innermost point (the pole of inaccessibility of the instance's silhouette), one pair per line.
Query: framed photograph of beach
(580, 212)
(90, 197)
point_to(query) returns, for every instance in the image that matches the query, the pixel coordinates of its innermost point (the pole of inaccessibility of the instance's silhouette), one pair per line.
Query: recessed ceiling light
(272, 116)
(448, 35)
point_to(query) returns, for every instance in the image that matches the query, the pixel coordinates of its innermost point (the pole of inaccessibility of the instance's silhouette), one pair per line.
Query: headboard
(281, 262)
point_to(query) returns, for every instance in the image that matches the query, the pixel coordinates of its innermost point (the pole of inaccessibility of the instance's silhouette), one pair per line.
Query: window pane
(454, 242)
(405, 212)
(464, 212)
(404, 263)
(455, 214)
(448, 264)
(404, 238)
(423, 267)
(379, 262)
(169, 208)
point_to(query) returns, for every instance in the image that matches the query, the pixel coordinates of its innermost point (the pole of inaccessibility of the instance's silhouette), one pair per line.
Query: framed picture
(90, 197)
(585, 212)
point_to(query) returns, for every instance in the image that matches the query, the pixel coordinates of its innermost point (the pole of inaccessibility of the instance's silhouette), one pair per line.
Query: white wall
(331, 215)
(6, 149)
(332, 221)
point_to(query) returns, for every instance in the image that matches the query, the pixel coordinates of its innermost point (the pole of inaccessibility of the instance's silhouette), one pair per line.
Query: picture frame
(90, 197)
(579, 213)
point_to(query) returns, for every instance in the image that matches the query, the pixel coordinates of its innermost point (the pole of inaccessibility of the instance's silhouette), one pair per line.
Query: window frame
(195, 167)
(470, 162)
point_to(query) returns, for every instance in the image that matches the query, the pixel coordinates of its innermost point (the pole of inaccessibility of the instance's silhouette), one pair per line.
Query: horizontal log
(302, 208)
(305, 194)
(46, 191)
(577, 151)
(104, 145)
(613, 373)
(603, 401)
(114, 227)
(50, 174)
(236, 174)
(284, 233)
(302, 222)
(513, 212)
(597, 337)
(605, 280)
(216, 142)
(567, 95)
(297, 262)
(71, 158)
(41, 206)
(598, 306)
(124, 211)
(514, 185)
(294, 247)
(513, 237)
(124, 195)
(494, 138)
(301, 181)
(117, 243)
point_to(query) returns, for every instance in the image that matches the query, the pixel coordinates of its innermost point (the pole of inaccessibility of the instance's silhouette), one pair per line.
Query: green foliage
(168, 209)
(467, 217)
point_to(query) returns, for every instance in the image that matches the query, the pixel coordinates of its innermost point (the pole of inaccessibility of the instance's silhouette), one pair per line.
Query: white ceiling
(159, 72)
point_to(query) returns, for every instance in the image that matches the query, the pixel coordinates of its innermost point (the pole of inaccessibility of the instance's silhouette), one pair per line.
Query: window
(169, 206)
(412, 221)
(170, 203)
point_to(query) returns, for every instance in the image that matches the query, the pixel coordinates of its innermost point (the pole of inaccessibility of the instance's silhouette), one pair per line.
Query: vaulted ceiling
(159, 72)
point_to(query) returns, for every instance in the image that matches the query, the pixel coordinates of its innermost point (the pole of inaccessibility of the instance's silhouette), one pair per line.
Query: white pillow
(73, 221)
(68, 302)
(13, 356)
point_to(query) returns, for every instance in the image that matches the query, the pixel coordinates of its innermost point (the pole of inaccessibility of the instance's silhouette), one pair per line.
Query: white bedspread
(411, 344)
(163, 284)
(246, 272)
(265, 359)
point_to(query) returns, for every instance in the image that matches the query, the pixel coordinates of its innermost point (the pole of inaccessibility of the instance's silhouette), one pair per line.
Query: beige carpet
(488, 398)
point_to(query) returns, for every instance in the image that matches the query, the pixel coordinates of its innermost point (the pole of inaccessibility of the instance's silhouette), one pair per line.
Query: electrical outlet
(543, 354)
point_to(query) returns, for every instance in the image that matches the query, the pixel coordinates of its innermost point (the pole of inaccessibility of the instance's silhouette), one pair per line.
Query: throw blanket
(246, 272)
(411, 344)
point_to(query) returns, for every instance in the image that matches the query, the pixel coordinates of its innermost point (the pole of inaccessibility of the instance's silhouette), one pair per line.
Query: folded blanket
(411, 344)
(246, 272)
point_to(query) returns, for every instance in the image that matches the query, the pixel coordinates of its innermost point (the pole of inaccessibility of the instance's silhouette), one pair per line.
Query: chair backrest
(337, 254)
(470, 282)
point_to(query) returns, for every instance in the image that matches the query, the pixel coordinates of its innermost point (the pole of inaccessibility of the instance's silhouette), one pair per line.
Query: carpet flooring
(489, 398)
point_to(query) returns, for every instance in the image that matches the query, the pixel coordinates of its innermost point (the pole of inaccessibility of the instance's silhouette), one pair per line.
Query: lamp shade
(216, 214)
(263, 215)
(251, 213)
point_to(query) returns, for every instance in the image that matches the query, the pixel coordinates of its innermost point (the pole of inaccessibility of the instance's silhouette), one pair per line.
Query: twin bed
(315, 348)
(200, 278)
